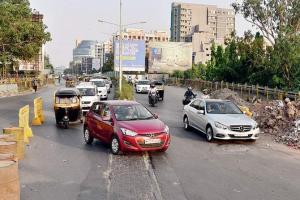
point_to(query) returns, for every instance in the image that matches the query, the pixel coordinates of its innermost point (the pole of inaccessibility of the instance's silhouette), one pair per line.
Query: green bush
(126, 93)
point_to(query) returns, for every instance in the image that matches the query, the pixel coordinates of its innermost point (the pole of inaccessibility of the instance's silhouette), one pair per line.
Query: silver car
(219, 119)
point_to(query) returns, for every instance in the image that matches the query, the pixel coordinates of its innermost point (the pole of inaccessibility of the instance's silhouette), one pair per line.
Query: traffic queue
(130, 126)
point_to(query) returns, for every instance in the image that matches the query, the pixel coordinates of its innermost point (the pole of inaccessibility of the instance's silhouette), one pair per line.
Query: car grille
(151, 135)
(86, 102)
(151, 145)
(236, 136)
(240, 128)
(85, 108)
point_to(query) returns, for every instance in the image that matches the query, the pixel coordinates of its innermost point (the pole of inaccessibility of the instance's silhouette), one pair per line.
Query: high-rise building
(37, 63)
(202, 25)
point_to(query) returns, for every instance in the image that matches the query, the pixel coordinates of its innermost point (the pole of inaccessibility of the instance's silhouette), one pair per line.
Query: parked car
(142, 86)
(126, 126)
(89, 95)
(219, 119)
(101, 87)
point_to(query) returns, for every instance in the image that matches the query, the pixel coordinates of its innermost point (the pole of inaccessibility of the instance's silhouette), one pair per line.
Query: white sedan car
(101, 87)
(88, 96)
(219, 119)
(142, 86)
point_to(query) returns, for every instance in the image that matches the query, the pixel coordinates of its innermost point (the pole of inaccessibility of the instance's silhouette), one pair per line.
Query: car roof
(120, 102)
(97, 79)
(85, 86)
(213, 100)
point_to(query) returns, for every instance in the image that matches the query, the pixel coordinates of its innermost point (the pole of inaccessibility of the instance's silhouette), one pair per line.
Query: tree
(109, 64)
(274, 18)
(48, 64)
(20, 37)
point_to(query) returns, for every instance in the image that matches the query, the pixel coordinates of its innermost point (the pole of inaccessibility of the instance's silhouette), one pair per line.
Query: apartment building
(37, 64)
(202, 25)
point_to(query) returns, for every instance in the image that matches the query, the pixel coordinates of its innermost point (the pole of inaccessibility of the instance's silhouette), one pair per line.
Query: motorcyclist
(189, 94)
(152, 89)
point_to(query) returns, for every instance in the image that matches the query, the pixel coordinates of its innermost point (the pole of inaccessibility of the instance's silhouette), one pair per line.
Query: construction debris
(280, 119)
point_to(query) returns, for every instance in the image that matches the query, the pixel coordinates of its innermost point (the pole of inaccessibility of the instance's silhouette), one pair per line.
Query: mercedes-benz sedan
(219, 119)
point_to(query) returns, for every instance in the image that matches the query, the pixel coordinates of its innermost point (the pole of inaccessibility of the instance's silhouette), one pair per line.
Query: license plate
(152, 141)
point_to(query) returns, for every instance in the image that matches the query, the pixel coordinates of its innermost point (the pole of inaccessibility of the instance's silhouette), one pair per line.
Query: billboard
(133, 55)
(165, 57)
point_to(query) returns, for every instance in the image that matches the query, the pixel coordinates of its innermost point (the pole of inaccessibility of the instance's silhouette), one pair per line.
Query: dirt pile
(227, 94)
(280, 119)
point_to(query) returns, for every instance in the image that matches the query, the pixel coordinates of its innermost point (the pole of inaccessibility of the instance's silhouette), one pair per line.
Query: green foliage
(109, 64)
(20, 37)
(127, 91)
(48, 64)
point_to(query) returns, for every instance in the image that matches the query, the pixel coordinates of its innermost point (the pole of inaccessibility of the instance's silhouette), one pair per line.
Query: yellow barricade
(24, 123)
(38, 112)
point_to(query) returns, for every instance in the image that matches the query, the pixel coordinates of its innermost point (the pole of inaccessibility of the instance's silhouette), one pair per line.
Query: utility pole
(120, 50)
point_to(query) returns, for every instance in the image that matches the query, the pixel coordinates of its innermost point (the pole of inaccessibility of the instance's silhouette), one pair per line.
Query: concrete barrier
(38, 112)
(24, 123)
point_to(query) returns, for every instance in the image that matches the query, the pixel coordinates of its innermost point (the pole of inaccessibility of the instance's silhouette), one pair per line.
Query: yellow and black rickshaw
(67, 106)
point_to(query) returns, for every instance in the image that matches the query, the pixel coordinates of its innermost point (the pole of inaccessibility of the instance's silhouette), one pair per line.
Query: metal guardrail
(243, 89)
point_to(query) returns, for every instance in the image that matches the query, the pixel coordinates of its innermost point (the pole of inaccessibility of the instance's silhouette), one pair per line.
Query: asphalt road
(58, 165)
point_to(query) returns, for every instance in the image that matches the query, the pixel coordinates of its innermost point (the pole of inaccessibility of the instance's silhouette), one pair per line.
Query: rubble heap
(227, 94)
(281, 119)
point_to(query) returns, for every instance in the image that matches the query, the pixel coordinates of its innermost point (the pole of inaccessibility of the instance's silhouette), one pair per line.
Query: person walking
(34, 84)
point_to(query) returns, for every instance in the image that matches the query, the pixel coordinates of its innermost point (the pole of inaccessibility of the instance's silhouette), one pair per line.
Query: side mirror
(155, 116)
(201, 112)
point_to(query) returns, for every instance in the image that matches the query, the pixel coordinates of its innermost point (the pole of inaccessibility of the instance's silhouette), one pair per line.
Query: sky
(68, 20)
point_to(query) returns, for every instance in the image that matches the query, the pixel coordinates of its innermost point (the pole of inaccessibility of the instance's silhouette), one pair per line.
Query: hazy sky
(68, 20)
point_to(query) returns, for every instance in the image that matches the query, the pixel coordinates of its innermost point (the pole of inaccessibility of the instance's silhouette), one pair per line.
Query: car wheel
(87, 136)
(115, 145)
(209, 134)
(186, 123)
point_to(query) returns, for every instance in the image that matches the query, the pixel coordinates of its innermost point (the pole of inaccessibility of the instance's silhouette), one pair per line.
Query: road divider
(9, 180)
(8, 148)
(17, 135)
(24, 123)
(38, 112)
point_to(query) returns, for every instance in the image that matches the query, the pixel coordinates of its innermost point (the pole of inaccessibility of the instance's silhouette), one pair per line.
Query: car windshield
(132, 112)
(143, 83)
(223, 107)
(87, 91)
(65, 100)
(99, 83)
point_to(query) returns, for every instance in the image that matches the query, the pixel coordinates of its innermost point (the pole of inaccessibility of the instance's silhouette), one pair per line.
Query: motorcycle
(152, 98)
(187, 100)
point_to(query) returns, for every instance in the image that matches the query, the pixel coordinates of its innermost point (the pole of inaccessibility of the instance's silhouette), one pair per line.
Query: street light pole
(120, 50)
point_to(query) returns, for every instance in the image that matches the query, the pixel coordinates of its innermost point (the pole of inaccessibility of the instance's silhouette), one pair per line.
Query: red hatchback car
(126, 126)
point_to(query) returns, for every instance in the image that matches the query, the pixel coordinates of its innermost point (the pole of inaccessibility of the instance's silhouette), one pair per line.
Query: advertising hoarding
(96, 63)
(133, 55)
(166, 57)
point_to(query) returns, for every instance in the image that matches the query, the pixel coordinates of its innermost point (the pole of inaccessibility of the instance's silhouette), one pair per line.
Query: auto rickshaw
(160, 89)
(67, 106)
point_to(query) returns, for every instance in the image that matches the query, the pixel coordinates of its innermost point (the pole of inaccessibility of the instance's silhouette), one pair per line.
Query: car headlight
(128, 132)
(255, 126)
(167, 130)
(221, 126)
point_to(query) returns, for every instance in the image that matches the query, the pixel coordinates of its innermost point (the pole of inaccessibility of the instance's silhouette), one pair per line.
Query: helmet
(152, 85)
(189, 88)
